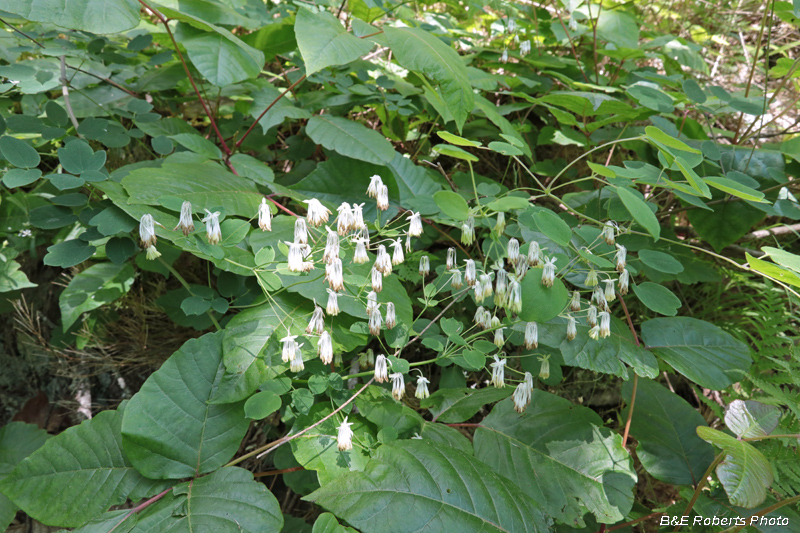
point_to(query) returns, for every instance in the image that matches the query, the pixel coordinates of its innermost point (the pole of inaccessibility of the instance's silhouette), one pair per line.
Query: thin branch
(635, 376)
(275, 101)
(141, 506)
(65, 92)
(703, 482)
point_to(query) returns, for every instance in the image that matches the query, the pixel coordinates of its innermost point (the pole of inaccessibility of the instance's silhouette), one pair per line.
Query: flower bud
(185, 222)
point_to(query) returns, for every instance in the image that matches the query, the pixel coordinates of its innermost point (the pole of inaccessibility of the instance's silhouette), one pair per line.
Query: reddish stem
(141, 506)
(279, 472)
(635, 377)
(277, 99)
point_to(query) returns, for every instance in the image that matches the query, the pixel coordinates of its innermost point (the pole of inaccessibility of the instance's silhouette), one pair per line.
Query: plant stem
(275, 101)
(703, 482)
(635, 376)
(65, 92)
(141, 506)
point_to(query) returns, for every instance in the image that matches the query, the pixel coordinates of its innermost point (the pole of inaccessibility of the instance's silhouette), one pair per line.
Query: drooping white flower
(513, 251)
(377, 280)
(317, 213)
(534, 254)
(264, 216)
(325, 348)
(504, 56)
(573, 24)
(185, 222)
(455, 281)
(360, 255)
(383, 198)
(422, 388)
(375, 183)
(451, 259)
(599, 297)
(152, 253)
(397, 255)
(512, 25)
(486, 319)
(334, 275)
(620, 257)
(331, 246)
(213, 232)
(522, 394)
(605, 324)
(398, 385)
(372, 301)
(333, 303)
(295, 256)
(317, 321)
(383, 263)
(591, 316)
(624, 280)
(300, 231)
(375, 321)
(531, 336)
(358, 216)
(498, 372)
(572, 328)
(608, 232)
(521, 268)
(147, 231)
(499, 338)
(414, 224)
(345, 221)
(549, 271)
(468, 231)
(609, 293)
(495, 322)
(381, 370)
(363, 233)
(514, 298)
(289, 348)
(424, 266)
(500, 287)
(469, 272)
(575, 303)
(296, 364)
(524, 48)
(591, 279)
(594, 332)
(483, 288)
(478, 314)
(500, 225)
(544, 369)
(391, 315)
(344, 439)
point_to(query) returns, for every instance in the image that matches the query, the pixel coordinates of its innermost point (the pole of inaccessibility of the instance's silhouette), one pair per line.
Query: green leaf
(657, 298)
(169, 430)
(327, 523)
(697, 349)
(113, 220)
(660, 261)
(619, 28)
(652, 98)
(735, 188)
(203, 184)
(749, 106)
(95, 16)
(95, 287)
(665, 426)
(772, 270)
(508, 203)
(12, 278)
(227, 500)
(726, 224)
(559, 454)
(640, 211)
(694, 91)
(668, 140)
(323, 41)
(549, 301)
(18, 177)
(198, 145)
(553, 226)
(68, 253)
(455, 151)
(281, 109)
(89, 458)
(17, 441)
(261, 405)
(377, 405)
(750, 418)
(451, 406)
(691, 176)
(418, 50)
(18, 153)
(221, 57)
(455, 139)
(462, 495)
(77, 157)
(51, 217)
(452, 204)
(350, 139)
(745, 473)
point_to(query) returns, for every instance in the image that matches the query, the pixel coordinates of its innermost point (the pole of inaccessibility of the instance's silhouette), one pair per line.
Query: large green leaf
(418, 50)
(95, 16)
(457, 405)
(697, 349)
(205, 185)
(17, 441)
(726, 224)
(12, 278)
(559, 454)
(749, 418)
(78, 474)
(323, 41)
(745, 473)
(447, 489)
(227, 500)
(94, 287)
(550, 301)
(169, 430)
(657, 298)
(665, 426)
(640, 211)
(616, 26)
(350, 139)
